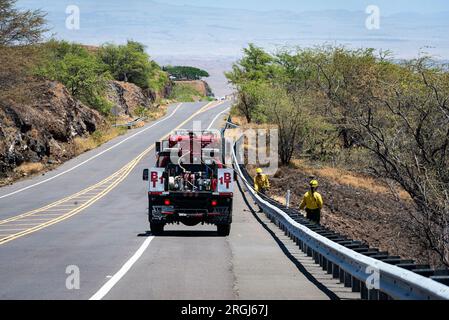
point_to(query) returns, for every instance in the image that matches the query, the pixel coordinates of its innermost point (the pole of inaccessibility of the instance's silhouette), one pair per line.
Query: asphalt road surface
(88, 218)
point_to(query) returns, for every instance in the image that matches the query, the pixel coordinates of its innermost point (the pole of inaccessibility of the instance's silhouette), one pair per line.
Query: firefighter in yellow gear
(261, 182)
(312, 202)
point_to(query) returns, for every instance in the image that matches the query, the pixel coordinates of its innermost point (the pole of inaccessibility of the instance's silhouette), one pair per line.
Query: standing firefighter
(313, 203)
(261, 182)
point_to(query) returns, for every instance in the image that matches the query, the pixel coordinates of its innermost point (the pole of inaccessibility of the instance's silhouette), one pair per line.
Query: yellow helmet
(314, 183)
(259, 170)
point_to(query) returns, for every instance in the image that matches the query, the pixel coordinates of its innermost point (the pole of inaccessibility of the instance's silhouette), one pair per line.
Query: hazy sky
(212, 33)
(387, 6)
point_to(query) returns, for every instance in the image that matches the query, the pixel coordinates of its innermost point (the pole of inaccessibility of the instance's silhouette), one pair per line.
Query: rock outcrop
(127, 97)
(44, 129)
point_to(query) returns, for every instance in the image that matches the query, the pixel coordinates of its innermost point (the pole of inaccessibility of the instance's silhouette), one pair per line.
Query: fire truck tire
(224, 230)
(156, 228)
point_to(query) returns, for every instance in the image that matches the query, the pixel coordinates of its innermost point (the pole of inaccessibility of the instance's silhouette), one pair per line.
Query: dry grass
(98, 138)
(279, 199)
(348, 178)
(158, 112)
(29, 168)
(340, 176)
(84, 144)
(107, 133)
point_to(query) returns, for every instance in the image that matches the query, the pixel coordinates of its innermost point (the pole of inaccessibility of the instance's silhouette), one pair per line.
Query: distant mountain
(211, 38)
(203, 31)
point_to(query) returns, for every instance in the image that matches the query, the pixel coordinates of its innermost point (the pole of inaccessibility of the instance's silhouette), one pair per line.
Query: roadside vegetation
(130, 63)
(186, 93)
(361, 111)
(186, 72)
(85, 73)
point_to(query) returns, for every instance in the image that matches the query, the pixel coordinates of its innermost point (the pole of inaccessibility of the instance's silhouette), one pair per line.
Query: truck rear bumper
(190, 208)
(166, 215)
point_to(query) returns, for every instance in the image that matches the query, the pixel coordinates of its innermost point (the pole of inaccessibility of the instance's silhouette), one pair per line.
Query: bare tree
(20, 26)
(287, 116)
(407, 129)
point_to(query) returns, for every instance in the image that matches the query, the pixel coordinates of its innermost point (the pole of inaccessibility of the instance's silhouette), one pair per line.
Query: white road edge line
(104, 290)
(93, 157)
(216, 117)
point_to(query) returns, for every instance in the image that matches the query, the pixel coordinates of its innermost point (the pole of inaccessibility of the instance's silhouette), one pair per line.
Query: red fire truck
(190, 183)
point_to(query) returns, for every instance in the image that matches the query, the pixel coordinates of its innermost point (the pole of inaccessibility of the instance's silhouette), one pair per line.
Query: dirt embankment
(199, 85)
(357, 206)
(42, 130)
(48, 128)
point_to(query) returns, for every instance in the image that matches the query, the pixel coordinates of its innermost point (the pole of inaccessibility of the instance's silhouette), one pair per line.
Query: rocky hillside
(127, 97)
(44, 129)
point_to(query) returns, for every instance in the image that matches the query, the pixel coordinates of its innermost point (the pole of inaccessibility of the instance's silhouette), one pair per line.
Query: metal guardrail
(353, 263)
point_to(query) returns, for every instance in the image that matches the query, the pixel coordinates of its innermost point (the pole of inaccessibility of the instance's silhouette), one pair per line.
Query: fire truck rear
(190, 183)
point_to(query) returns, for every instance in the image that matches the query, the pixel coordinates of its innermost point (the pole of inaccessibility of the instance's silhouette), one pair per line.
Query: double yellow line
(93, 194)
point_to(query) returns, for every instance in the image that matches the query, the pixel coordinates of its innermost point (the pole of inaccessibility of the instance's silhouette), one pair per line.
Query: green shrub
(80, 71)
(186, 72)
(131, 63)
(185, 93)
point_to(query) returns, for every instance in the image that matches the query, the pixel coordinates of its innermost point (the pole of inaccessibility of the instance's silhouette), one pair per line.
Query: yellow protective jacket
(261, 182)
(311, 201)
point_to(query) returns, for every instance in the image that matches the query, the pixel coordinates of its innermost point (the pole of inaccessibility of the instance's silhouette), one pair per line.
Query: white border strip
(104, 290)
(216, 117)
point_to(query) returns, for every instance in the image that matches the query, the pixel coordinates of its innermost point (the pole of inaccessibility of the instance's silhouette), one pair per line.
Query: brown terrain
(357, 206)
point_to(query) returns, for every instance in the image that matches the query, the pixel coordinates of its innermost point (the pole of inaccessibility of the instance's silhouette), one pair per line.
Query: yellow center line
(34, 219)
(21, 224)
(103, 188)
(52, 205)
(44, 215)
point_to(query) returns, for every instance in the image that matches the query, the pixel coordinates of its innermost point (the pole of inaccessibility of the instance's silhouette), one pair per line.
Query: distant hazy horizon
(204, 30)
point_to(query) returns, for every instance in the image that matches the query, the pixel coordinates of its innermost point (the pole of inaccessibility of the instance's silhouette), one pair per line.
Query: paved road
(103, 232)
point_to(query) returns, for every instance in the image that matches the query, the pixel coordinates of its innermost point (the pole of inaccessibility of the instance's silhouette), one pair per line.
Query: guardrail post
(373, 294)
(329, 267)
(356, 285)
(323, 263)
(342, 275)
(316, 257)
(348, 280)
(336, 271)
(287, 199)
(309, 252)
(364, 291)
(383, 296)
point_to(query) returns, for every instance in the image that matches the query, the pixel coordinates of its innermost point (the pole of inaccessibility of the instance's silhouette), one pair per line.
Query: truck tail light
(167, 202)
(214, 203)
